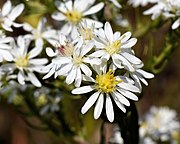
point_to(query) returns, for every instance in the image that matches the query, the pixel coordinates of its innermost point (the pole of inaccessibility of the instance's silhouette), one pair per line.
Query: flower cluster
(166, 8)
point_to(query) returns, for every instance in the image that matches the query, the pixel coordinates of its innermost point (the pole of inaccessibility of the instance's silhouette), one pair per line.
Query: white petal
(176, 24)
(6, 27)
(6, 8)
(87, 48)
(58, 16)
(27, 27)
(71, 76)
(65, 69)
(6, 55)
(98, 53)
(16, 12)
(66, 29)
(121, 98)
(35, 52)
(96, 24)
(87, 78)
(125, 37)
(41, 24)
(133, 59)
(61, 6)
(34, 79)
(50, 73)
(92, 61)
(118, 103)
(108, 31)
(50, 52)
(117, 62)
(129, 43)
(87, 71)
(129, 87)
(94, 9)
(38, 61)
(82, 90)
(21, 78)
(145, 74)
(116, 36)
(90, 102)
(99, 106)
(129, 95)
(109, 109)
(78, 78)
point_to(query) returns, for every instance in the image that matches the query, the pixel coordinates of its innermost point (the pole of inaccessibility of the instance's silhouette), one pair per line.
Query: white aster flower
(41, 32)
(107, 86)
(25, 62)
(160, 124)
(5, 48)
(117, 47)
(8, 14)
(166, 8)
(74, 12)
(139, 76)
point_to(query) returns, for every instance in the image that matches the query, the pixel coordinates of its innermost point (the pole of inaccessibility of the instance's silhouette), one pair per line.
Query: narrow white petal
(118, 103)
(87, 48)
(125, 37)
(116, 36)
(88, 78)
(98, 53)
(38, 61)
(58, 16)
(129, 87)
(145, 74)
(6, 8)
(109, 109)
(99, 106)
(35, 52)
(78, 78)
(87, 71)
(50, 52)
(136, 81)
(130, 43)
(108, 31)
(121, 98)
(97, 24)
(34, 79)
(92, 99)
(117, 62)
(176, 24)
(27, 27)
(21, 78)
(71, 76)
(92, 61)
(50, 73)
(94, 9)
(83, 89)
(61, 6)
(129, 95)
(41, 24)
(16, 12)
(6, 55)
(65, 69)
(133, 59)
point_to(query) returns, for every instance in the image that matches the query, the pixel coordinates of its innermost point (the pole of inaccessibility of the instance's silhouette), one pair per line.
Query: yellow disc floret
(22, 61)
(113, 47)
(77, 60)
(107, 82)
(73, 16)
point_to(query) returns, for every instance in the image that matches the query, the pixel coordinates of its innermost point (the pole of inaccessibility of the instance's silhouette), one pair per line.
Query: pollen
(77, 60)
(73, 16)
(107, 82)
(22, 62)
(113, 47)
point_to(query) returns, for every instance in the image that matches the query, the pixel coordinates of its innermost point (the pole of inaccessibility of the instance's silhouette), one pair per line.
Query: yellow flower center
(65, 50)
(113, 47)
(22, 61)
(77, 60)
(73, 16)
(37, 35)
(86, 33)
(107, 82)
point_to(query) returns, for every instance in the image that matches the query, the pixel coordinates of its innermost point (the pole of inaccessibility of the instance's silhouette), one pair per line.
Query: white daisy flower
(74, 13)
(107, 86)
(71, 60)
(139, 76)
(41, 32)
(160, 124)
(136, 3)
(25, 62)
(117, 47)
(8, 14)
(166, 8)
(5, 48)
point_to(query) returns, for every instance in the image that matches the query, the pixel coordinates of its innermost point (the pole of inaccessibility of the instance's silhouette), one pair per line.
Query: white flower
(160, 124)
(166, 8)
(25, 62)
(136, 3)
(75, 12)
(107, 86)
(139, 76)
(116, 138)
(41, 32)
(5, 48)
(117, 47)
(71, 60)
(8, 14)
